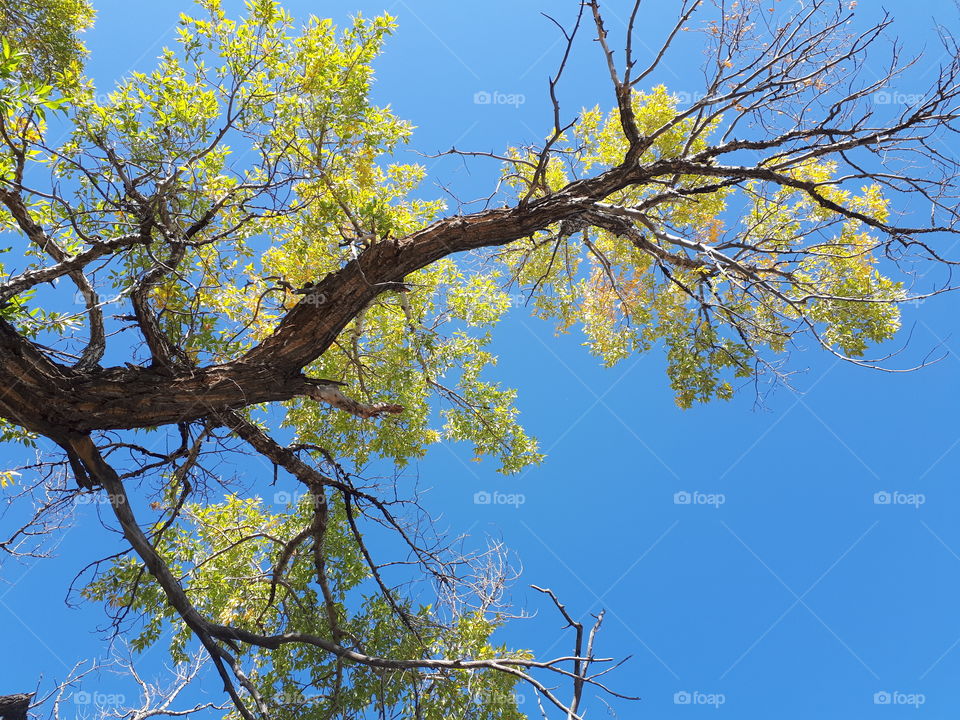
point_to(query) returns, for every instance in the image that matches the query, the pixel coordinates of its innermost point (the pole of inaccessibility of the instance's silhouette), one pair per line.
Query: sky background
(799, 595)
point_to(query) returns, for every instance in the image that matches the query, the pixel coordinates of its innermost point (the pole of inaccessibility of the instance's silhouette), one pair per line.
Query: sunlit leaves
(227, 551)
(795, 263)
(47, 31)
(419, 349)
(274, 128)
(18, 94)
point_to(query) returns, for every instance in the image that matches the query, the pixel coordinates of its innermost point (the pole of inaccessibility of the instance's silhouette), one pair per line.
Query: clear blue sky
(799, 596)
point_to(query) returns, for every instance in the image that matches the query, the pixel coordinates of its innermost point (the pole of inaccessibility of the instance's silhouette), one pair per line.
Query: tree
(237, 208)
(14, 707)
(47, 33)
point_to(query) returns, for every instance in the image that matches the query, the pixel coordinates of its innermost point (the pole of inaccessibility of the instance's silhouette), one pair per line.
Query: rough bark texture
(14, 707)
(60, 401)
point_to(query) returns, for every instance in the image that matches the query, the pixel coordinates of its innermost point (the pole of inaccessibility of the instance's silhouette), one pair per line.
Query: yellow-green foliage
(626, 303)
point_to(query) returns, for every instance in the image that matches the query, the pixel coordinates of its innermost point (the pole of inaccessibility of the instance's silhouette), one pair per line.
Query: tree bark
(60, 402)
(14, 707)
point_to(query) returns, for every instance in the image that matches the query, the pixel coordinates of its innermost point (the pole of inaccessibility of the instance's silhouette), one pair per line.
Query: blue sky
(799, 594)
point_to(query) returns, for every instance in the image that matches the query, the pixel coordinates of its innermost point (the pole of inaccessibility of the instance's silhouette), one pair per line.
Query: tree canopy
(47, 33)
(240, 237)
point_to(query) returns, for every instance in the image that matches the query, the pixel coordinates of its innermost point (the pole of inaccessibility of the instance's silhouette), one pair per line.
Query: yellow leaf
(7, 477)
